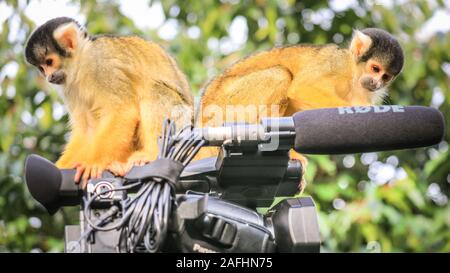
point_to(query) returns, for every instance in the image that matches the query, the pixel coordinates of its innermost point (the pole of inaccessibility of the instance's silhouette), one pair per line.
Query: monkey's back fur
(292, 78)
(295, 78)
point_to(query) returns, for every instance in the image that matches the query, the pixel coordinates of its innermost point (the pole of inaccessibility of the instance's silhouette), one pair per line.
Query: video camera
(209, 205)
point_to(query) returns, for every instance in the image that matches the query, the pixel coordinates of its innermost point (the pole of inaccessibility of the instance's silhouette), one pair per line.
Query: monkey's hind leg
(147, 136)
(293, 155)
(161, 102)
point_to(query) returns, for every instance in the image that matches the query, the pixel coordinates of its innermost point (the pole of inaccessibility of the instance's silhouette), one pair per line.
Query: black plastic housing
(250, 178)
(295, 225)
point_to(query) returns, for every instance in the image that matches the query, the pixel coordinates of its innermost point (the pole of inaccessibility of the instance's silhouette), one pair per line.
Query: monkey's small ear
(360, 43)
(67, 36)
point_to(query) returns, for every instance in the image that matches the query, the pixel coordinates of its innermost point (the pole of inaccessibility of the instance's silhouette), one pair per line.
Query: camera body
(216, 206)
(213, 202)
(206, 223)
(221, 226)
(210, 205)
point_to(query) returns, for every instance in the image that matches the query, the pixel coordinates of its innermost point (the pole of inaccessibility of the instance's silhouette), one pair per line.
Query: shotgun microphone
(360, 129)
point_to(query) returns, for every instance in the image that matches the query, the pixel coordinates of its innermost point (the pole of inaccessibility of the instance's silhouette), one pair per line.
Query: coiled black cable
(145, 216)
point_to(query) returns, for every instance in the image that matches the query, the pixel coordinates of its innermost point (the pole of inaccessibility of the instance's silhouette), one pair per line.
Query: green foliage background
(359, 211)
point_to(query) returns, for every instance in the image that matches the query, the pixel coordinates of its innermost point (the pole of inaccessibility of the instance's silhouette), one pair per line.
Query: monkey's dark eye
(386, 77)
(375, 69)
(49, 62)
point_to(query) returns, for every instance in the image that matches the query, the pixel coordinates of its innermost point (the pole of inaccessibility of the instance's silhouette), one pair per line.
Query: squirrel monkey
(117, 90)
(302, 77)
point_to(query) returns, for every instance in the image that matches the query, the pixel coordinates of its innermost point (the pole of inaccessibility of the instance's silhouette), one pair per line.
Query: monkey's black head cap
(386, 48)
(42, 38)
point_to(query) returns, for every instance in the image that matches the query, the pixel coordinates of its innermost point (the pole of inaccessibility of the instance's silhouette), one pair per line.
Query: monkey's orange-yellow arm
(111, 141)
(72, 151)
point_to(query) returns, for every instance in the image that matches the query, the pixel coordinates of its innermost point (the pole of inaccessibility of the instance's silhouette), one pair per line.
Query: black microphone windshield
(361, 129)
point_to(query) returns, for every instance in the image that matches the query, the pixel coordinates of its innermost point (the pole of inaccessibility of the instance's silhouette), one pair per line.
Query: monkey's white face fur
(378, 96)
